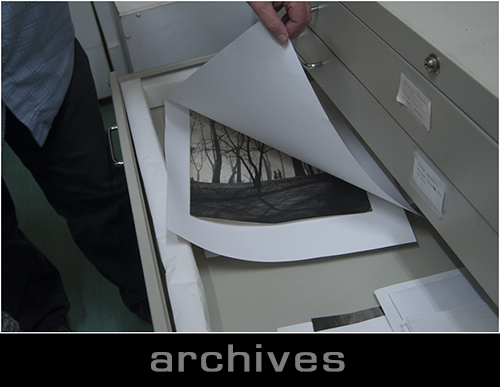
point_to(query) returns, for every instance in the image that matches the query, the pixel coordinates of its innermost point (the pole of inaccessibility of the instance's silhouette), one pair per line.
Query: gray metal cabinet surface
(159, 33)
(361, 74)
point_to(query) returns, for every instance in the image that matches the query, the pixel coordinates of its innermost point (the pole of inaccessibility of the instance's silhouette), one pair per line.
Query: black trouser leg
(76, 173)
(32, 290)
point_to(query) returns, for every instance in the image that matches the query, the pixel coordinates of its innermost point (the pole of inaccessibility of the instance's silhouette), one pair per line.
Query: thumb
(271, 20)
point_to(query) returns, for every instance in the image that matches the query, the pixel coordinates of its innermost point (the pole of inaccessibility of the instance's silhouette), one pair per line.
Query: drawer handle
(317, 7)
(307, 65)
(116, 163)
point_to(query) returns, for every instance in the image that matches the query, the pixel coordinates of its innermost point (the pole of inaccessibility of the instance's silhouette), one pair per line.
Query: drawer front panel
(453, 34)
(460, 149)
(151, 266)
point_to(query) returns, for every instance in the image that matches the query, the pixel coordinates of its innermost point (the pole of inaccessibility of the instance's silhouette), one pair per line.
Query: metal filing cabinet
(365, 48)
(252, 296)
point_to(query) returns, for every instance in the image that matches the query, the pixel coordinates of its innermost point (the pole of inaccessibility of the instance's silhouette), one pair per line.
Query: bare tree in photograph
(253, 161)
(197, 149)
(233, 143)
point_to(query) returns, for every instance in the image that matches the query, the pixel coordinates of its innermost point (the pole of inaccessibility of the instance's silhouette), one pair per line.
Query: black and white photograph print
(235, 177)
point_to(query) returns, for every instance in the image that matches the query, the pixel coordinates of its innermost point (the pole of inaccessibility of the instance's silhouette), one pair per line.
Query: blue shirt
(37, 62)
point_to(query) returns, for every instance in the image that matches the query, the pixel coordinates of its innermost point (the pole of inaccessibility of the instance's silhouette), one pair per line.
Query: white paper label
(415, 100)
(430, 184)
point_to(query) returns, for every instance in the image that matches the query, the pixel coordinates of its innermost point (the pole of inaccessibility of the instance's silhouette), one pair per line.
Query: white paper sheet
(258, 87)
(446, 302)
(386, 225)
(477, 317)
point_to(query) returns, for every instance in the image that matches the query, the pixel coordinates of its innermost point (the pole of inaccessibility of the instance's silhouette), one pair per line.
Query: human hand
(291, 25)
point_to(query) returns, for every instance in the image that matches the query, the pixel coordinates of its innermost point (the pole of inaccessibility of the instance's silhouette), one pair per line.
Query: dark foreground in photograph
(277, 201)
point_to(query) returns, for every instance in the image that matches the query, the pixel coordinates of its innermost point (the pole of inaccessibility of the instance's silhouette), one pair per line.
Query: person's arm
(291, 25)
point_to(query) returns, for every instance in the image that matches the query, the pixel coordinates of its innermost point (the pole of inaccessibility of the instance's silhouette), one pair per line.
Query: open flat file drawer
(234, 295)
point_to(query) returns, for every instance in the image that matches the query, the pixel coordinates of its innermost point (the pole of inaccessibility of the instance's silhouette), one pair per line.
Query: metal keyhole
(432, 64)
